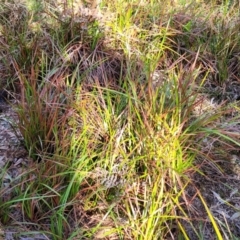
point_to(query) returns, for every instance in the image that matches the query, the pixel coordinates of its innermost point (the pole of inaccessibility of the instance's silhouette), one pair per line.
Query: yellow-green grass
(107, 110)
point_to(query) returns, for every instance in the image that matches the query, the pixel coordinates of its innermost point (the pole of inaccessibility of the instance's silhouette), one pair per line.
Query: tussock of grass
(110, 106)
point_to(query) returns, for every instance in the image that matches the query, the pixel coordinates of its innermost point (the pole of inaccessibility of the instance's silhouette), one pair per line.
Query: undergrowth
(116, 100)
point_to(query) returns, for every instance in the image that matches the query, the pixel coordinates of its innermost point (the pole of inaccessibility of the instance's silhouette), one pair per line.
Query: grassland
(129, 112)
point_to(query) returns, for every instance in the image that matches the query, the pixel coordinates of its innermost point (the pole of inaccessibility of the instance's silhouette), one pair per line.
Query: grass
(115, 112)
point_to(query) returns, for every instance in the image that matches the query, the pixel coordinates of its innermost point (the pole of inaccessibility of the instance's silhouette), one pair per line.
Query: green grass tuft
(116, 101)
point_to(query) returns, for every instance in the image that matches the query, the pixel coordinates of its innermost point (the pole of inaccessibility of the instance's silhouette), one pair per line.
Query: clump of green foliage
(111, 106)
